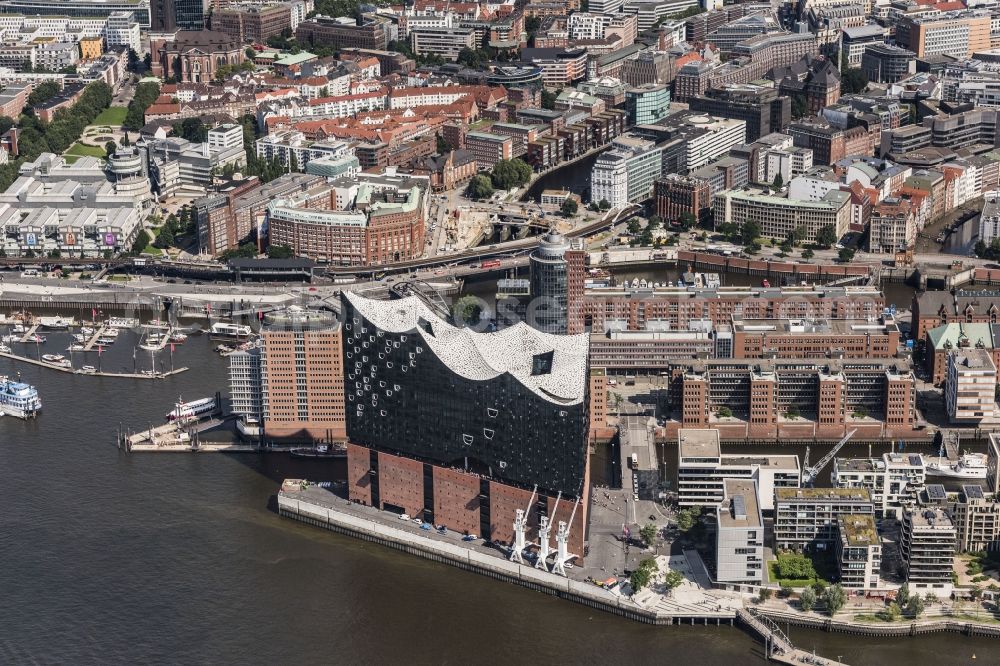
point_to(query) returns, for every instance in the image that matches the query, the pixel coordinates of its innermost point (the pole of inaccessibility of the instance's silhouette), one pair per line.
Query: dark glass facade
(548, 311)
(402, 399)
(190, 14)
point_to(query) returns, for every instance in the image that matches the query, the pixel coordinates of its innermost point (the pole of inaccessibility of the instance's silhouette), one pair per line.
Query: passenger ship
(19, 399)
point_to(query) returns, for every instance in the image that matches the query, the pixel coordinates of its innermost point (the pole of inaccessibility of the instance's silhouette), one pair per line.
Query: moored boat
(19, 399)
(320, 451)
(186, 410)
(968, 466)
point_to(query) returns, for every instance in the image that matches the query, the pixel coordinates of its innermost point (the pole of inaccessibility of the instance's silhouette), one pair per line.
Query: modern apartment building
(446, 42)
(549, 284)
(626, 173)
(293, 149)
(970, 386)
(977, 520)
(739, 542)
(894, 480)
(807, 518)
(859, 551)
(302, 377)
(703, 470)
(779, 216)
(245, 389)
(927, 547)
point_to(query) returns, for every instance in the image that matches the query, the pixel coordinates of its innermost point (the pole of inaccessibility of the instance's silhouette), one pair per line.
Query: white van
(30, 273)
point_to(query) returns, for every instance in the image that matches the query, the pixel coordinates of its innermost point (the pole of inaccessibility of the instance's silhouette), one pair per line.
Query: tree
(853, 80)
(800, 107)
(165, 238)
(798, 234)
(110, 147)
(807, 254)
(279, 252)
(640, 578)
(648, 534)
(793, 411)
(633, 227)
(549, 98)
(687, 220)
(250, 53)
(43, 92)
(441, 146)
(604, 204)
(569, 207)
(834, 598)
(826, 236)
(467, 311)
(892, 613)
(915, 606)
(480, 187)
(673, 579)
(141, 241)
(724, 412)
(145, 95)
(807, 600)
(845, 254)
(686, 518)
(532, 24)
(778, 181)
(749, 232)
(765, 594)
(507, 174)
(903, 595)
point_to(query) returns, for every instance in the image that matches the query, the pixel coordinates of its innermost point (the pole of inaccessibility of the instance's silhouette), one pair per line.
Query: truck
(635, 460)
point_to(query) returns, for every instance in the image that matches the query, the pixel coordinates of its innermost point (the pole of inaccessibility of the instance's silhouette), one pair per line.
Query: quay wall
(887, 630)
(721, 263)
(486, 565)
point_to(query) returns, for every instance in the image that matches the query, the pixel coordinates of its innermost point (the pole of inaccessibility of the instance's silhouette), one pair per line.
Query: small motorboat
(178, 337)
(37, 339)
(4, 349)
(53, 358)
(76, 348)
(79, 337)
(86, 330)
(88, 370)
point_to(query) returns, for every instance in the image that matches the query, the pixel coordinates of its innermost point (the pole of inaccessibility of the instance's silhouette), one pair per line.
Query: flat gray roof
(699, 443)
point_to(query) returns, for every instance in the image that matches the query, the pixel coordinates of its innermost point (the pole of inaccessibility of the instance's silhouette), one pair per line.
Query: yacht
(79, 337)
(969, 466)
(76, 348)
(186, 410)
(236, 331)
(19, 399)
(88, 370)
(4, 349)
(53, 358)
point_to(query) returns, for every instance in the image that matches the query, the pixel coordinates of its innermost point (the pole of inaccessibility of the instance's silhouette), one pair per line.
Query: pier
(29, 334)
(76, 371)
(95, 337)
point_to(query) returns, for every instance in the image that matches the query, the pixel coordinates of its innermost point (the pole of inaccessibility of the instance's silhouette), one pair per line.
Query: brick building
(252, 23)
(195, 56)
(677, 195)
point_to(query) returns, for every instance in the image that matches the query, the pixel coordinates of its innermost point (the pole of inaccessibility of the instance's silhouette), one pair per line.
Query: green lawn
(113, 115)
(81, 150)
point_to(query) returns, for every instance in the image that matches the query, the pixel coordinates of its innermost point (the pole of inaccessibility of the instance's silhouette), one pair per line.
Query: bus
(491, 263)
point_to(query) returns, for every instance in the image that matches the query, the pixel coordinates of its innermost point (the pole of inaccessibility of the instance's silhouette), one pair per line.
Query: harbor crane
(563, 556)
(520, 524)
(544, 528)
(809, 474)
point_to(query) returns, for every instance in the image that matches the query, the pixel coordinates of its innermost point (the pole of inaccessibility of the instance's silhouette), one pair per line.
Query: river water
(181, 559)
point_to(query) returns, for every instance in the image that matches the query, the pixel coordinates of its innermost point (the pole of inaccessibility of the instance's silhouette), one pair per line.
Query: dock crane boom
(809, 474)
(520, 523)
(544, 529)
(562, 538)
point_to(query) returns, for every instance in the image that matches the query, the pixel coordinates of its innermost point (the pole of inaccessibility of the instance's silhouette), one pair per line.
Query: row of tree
(505, 175)
(145, 95)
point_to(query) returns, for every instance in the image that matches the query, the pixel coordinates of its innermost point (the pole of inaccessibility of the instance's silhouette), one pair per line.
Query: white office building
(970, 385)
(989, 220)
(245, 389)
(739, 542)
(626, 173)
(702, 470)
(283, 145)
(226, 136)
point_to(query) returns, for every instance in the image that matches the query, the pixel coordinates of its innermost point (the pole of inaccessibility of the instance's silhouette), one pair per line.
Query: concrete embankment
(887, 630)
(326, 515)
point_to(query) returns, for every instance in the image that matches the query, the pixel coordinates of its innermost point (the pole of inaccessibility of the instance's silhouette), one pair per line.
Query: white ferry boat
(19, 399)
(969, 466)
(235, 331)
(186, 410)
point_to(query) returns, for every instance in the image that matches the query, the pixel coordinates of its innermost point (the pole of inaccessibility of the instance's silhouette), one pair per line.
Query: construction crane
(562, 551)
(520, 524)
(809, 474)
(544, 528)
